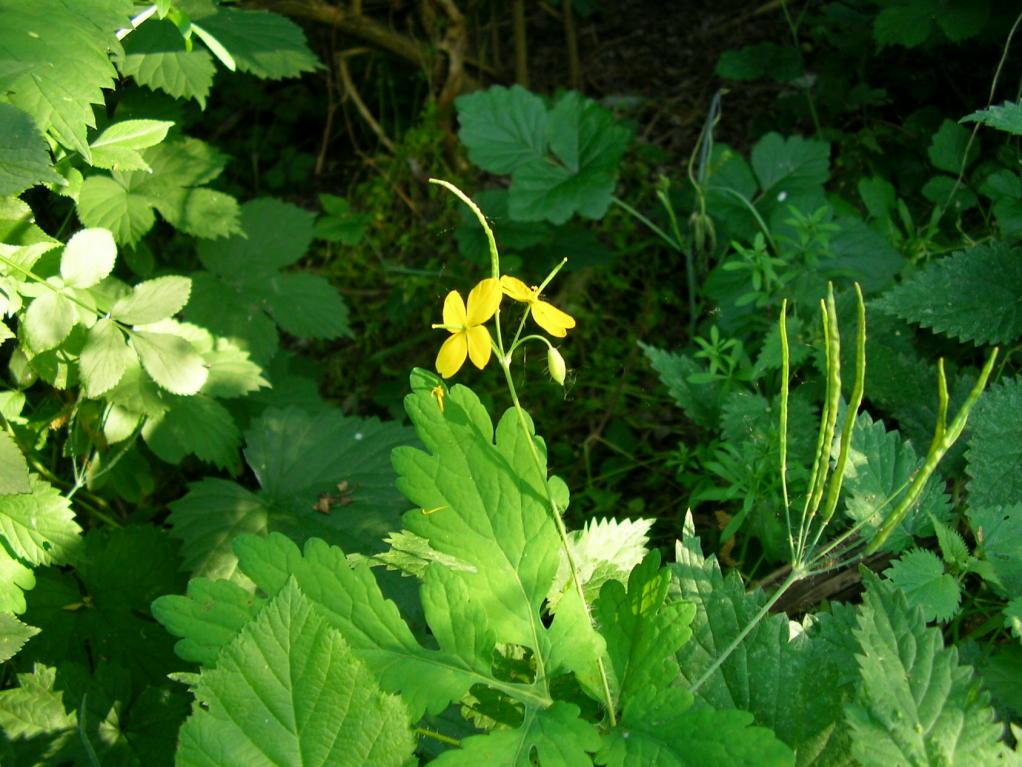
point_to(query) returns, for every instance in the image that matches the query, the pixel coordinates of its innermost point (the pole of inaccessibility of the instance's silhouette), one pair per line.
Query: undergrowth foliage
(329, 589)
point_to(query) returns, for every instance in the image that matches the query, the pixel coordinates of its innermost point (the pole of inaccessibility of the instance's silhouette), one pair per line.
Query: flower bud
(555, 362)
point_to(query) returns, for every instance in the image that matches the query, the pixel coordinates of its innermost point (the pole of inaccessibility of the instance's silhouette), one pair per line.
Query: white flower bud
(555, 362)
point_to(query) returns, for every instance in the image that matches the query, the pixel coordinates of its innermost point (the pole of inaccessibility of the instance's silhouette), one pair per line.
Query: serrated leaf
(232, 373)
(266, 45)
(305, 305)
(33, 709)
(326, 708)
(952, 547)
(995, 446)
(38, 526)
(503, 128)
(170, 360)
(197, 425)
(969, 295)
(1006, 117)
(88, 257)
(790, 165)
(104, 202)
(153, 300)
(916, 705)
(198, 211)
(947, 148)
(14, 476)
(15, 580)
(48, 321)
(155, 55)
(701, 402)
(921, 577)
(13, 635)
(24, 156)
(223, 309)
(558, 735)
(998, 531)
(275, 234)
(104, 357)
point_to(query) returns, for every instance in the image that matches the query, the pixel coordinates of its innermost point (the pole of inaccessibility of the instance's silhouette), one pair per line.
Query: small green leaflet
(170, 360)
(153, 300)
(289, 691)
(88, 257)
(24, 156)
(921, 577)
(38, 526)
(339, 223)
(116, 148)
(48, 321)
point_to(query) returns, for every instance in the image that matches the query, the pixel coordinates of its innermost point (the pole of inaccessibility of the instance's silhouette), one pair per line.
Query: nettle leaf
(153, 300)
(266, 45)
(921, 577)
(998, 531)
(588, 143)
(88, 258)
(38, 526)
(916, 704)
(879, 470)
(503, 128)
(969, 295)
(300, 460)
(14, 476)
(104, 357)
(156, 55)
(793, 685)
(24, 155)
(48, 321)
(1006, 117)
(124, 201)
(13, 635)
(289, 691)
(701, 402)
(170, 359)
(116, 148)
(995, 446)
(243, 283)
(64, 61)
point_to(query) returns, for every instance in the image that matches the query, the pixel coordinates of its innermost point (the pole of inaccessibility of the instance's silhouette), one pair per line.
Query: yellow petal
(517, 289)
(454, 310)
(483, 301)
(479, 345)
(551, 319)
(452, 354)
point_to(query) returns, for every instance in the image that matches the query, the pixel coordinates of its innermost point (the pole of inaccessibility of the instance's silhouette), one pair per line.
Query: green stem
(675, 244)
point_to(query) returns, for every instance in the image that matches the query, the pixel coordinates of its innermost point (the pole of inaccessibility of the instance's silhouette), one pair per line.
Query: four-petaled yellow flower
(547, 316)
(468, 336)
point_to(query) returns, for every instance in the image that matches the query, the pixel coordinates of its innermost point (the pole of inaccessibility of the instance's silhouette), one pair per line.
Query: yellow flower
(468, 336)
(547, 316)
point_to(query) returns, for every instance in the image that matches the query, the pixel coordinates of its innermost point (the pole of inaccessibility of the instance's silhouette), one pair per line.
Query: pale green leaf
(170, 360)
(503, 128)
(197, 425)
(266, 45)
(305, 305)
(1013, 617)
(48, 321)
(153, 300)
(104, 202)
(88, 258)
(995, 446)
(156, 56)
(24, 156)
(916, 705)
(116, 148)
(104, 357)
(13, 467)
(39, 526)
(288, 691)
(15, 580)
(232, 373)
(921, 577)
(1006, 117)
(13, 635)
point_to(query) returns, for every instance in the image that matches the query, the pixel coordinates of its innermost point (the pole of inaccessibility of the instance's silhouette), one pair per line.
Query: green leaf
(793, 165)
(13, 635)
(273, 234)
(153, 300)
(104, 202)
(15, 580)
(878, 472)
(339, 223)
(948, 146)
(231, 372)
(906, 23)
(998, 532)
(701, 402)
(995, 446)
(1006, 117)
(170, 360)
(198, 211)
(916, 705)
(196, 425)
(209, 617)
(879, 196)
(752, 62)
(588, 143)
(558, 735)
(660, 727)
(24, 156)
(305, 305)
(13, 467)
(266, 45)
(33, 709)
(48, 321)
(503, 128)
(38, 526)
(155, 54)
(88, 258)
(289, 691)
(920, 576)
(116, 148)
(104, 357)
